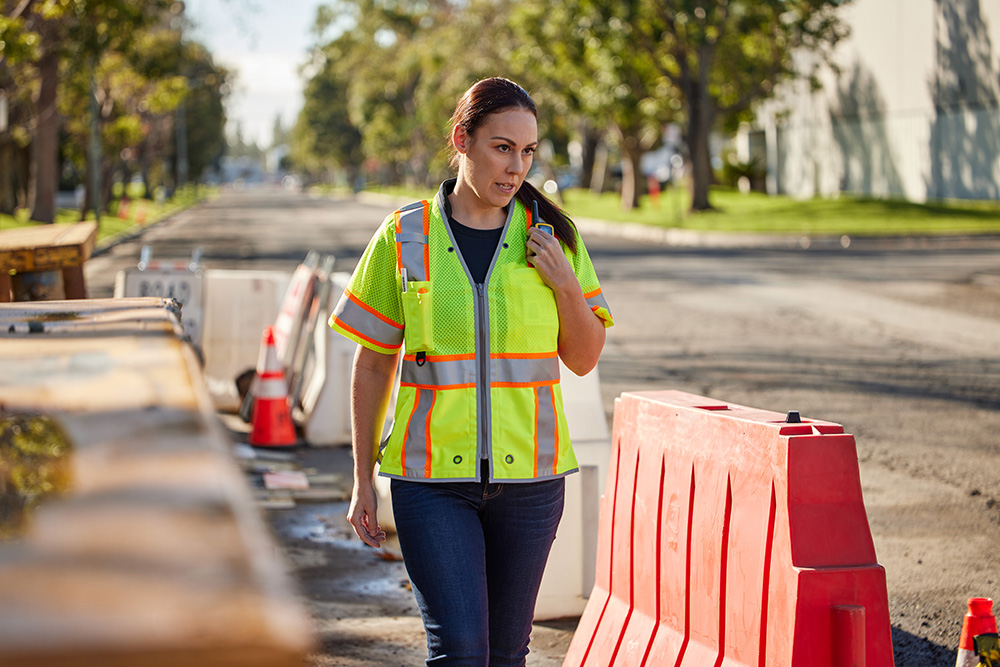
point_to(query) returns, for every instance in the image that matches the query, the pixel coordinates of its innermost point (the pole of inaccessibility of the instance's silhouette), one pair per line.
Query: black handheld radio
(537, 221)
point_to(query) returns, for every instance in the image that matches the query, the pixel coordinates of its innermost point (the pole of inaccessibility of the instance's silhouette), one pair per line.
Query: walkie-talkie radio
(537, 223)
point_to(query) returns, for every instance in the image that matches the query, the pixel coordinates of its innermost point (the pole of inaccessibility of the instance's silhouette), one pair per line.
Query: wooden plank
(87, 317)
(156, 553)
(51, 309)
(46, 247)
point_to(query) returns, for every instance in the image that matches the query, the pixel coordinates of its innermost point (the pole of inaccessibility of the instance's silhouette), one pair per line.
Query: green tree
(132, 107)
(397, 69)
(71, 37)
(703, 63)
(18, 49)
(723, 56)
(323, 138)
(584, 50)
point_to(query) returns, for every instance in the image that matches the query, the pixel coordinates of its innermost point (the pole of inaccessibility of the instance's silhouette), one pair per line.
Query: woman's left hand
(581, 333)
(545, 253)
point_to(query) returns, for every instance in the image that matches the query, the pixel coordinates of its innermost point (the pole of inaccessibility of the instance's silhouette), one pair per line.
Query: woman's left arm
(581, 332)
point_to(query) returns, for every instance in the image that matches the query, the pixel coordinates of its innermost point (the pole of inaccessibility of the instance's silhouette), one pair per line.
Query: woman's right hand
(363, 514)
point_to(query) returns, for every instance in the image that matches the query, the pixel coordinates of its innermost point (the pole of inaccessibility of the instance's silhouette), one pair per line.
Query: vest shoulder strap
(412, 239)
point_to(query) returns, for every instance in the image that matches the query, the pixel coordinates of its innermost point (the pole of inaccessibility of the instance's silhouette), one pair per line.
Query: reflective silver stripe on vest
(412, 241)
(546, 431)
(411, 238)
(509, 370)
(439, 374)
(444, 373)
(368, 325)
(597, 301)
(415, 461)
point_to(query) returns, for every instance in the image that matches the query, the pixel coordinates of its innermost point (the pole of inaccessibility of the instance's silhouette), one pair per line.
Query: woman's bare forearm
(371, 386)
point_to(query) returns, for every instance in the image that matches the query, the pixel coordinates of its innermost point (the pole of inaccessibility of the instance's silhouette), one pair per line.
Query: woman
(486, 305)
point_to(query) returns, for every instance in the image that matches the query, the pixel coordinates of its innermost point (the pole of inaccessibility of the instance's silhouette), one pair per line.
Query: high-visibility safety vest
(480, 371)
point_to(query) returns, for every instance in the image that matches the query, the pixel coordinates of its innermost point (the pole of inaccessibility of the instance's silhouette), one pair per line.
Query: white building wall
(912, 112)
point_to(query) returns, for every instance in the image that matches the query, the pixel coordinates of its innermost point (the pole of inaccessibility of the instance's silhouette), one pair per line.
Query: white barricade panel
(238, 305)
(173, 282)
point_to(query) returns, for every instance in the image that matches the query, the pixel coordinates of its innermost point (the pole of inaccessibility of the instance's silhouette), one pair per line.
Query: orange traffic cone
(271, 420)
(978, 621)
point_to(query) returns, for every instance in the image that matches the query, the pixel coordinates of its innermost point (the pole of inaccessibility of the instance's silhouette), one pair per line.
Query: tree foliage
(34, 465)
(128, 54)
(621, 68)
(723, 56)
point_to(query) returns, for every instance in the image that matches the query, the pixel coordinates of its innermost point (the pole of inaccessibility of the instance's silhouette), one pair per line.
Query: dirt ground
(898, 340)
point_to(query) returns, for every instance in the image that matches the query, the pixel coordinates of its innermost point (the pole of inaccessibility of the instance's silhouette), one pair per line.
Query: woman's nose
(517, 164)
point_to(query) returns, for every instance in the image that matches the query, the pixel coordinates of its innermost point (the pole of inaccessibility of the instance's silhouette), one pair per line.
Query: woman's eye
(529, 151)
(503, 148)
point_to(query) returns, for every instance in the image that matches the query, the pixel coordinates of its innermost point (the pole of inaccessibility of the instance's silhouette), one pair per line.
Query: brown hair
(493, 95)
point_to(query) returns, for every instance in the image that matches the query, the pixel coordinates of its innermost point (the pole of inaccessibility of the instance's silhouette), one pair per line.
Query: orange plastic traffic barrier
(271, 419)
(728, 536)
(979, 620)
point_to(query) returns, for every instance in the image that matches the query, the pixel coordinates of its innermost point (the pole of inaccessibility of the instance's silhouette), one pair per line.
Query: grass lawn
(734, 212)
(137, 212)
(759, 213)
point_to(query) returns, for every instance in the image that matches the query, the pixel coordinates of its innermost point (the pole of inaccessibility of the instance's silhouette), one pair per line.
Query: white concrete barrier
(238, 305)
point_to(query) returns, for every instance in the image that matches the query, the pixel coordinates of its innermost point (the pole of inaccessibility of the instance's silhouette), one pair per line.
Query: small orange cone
(271, 420)
(978, 621)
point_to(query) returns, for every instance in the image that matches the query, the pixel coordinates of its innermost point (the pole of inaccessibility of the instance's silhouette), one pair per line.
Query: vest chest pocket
(418, 329)
(533, 305)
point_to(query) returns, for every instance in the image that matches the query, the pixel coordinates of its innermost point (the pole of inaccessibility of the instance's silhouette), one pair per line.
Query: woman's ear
(460, 138)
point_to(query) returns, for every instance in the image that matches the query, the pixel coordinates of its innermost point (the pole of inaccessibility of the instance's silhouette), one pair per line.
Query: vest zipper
(483, 381)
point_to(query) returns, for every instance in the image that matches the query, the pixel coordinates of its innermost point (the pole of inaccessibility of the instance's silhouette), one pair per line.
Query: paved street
(899, 341)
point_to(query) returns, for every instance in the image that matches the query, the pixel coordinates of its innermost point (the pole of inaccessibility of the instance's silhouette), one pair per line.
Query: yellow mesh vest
(488, 387)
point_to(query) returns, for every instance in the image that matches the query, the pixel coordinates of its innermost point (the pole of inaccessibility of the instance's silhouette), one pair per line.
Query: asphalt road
(898, 340)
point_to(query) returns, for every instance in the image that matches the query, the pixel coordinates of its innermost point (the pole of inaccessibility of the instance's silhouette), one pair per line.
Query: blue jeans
(475, 553)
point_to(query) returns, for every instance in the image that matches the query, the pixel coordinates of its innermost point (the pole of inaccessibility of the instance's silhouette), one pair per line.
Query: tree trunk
(107, 187)
(699, 128)
(633, 183)
(88, 202)
(22, 189)
(8, 176)
(590, 139)
(46, 167)
(596, 182)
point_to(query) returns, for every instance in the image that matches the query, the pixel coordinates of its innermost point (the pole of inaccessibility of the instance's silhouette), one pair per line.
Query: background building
(909, 111)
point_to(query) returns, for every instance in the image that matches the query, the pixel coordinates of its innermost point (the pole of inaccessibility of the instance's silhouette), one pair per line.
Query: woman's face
(496, 159)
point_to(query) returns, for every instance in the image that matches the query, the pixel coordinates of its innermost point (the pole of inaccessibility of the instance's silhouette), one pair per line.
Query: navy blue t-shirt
(476, 245)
